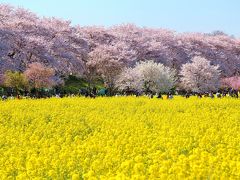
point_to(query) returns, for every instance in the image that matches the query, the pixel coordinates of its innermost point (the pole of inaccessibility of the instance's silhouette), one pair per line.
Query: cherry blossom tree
(1, 79)
(149, 77)
(39, 76)
(129, 79)
(156, 77)
(200, 76)
(102, 59)
(232, 82)
(26, 38)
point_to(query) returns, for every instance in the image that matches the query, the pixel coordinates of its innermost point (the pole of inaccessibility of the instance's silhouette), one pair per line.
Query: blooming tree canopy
(26, 38)
(200, 76)
(232, 82)
(156, 77)
(148, 76)
(129, 79)
(39, 76)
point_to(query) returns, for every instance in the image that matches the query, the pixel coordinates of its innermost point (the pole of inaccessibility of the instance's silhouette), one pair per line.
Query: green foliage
(72, 84)
(15, 80)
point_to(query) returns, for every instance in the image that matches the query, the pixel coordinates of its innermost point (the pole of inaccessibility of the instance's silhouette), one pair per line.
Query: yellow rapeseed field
(120, 138)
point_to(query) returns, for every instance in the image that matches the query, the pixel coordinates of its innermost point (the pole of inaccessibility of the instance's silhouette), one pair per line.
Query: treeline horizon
(149, 78)
(92, 52)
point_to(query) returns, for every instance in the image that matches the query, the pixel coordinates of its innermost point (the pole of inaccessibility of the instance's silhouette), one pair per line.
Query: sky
(179, 15)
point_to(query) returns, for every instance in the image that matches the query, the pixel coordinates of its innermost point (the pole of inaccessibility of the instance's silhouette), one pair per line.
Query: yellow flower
(75, 177)
(120, 138)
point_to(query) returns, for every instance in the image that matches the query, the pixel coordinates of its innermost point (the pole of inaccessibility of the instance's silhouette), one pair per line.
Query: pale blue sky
(179, 15)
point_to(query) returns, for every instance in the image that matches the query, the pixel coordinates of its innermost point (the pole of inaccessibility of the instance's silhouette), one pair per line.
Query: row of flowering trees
(146, 76)
(36, 76)
(110, 52)
(196, 76)
(27, 38)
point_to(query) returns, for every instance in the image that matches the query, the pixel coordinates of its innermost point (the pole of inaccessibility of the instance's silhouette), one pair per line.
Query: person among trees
(4, 97)
(218, 94)
(199, 95)
(187, 95)
(18, 96)
(211, 95)
(169, 96)
(11, 97)
(159, 96)
(151, 95)
(94, 91)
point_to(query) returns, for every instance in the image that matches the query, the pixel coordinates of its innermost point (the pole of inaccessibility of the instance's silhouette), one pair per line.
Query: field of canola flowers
(120, 138)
